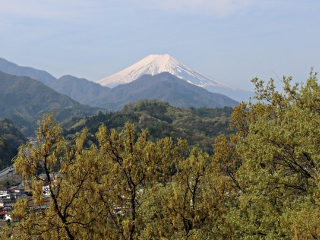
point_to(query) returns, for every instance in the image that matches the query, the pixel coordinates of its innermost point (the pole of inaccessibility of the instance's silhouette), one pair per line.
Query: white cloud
(219, 8)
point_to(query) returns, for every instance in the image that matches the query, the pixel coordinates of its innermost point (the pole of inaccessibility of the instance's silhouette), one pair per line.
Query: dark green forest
(11, 133)
(10, 140)
(7, 152)
(199, 126)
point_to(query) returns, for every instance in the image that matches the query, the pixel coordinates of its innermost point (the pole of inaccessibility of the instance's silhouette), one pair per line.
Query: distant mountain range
(79, 89)
(141, 80)
(14, 69)
(24, 100)
(164, 87)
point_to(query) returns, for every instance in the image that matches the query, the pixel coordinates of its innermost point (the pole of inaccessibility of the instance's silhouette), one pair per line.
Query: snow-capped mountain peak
(155, 64)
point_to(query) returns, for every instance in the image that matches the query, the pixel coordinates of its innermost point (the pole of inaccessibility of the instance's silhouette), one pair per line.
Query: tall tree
(94, 193)
(67, 215)
(191, 206)
(278, 147)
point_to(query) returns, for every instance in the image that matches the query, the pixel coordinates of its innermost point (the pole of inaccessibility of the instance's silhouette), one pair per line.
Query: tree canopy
(260, 183)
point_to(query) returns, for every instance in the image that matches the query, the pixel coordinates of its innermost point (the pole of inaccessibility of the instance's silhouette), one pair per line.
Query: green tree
(94, 193)
(127, 169)
(278, 147)
(68, 215)
(111, 191)
(188, 207)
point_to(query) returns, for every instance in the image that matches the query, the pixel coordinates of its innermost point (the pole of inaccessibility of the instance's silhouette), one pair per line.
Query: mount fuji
(155, 64)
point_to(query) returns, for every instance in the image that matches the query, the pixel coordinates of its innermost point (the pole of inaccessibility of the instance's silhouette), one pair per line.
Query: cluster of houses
(8, 197)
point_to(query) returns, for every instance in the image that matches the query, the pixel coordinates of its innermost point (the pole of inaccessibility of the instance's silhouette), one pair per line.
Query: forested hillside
(11, 133)
(199, 126)
(10, 140)
(7, 152)
(24, 100)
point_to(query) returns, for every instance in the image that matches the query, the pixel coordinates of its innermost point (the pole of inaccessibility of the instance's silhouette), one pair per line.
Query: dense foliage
(11, 133)
(10, 139)
(7, 152)
(261, 183)
(277, 183)
(199, 126)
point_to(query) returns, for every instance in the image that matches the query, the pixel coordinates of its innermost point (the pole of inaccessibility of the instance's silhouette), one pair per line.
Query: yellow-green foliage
(261, 183)
(101, 192)
(278, 147)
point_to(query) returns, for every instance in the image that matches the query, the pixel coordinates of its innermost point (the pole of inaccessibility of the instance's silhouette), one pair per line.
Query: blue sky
(230, 41)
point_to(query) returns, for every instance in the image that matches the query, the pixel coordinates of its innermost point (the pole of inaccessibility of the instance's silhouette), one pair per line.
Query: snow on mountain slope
(155, 64)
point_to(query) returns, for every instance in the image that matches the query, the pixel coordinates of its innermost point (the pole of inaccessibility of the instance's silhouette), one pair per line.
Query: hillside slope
(199, 126)
(7, 152)
(12, 134)
(10, 140)
(14, 69)
(79, 89)
(25, 100)
(164, 87)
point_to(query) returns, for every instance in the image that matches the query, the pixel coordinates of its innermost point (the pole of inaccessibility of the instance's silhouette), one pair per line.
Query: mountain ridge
(14, 69)
(24, 100)
(91, 93)
(165, 87)
(79, 89)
